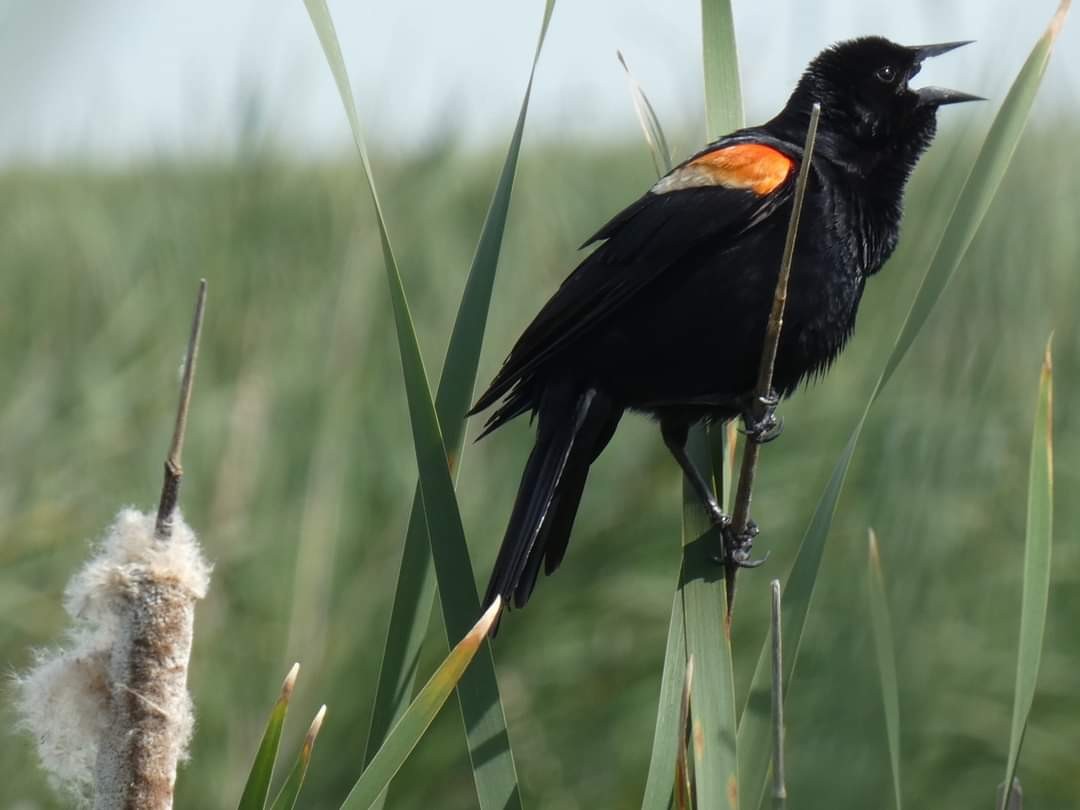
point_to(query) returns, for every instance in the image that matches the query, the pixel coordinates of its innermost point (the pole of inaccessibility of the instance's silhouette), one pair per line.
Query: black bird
(667, 316)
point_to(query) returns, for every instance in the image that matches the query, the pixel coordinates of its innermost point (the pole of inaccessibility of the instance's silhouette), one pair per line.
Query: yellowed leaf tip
(487, 621)
(1059, 19)
(313, 730)
(289, 683)
(875, 555)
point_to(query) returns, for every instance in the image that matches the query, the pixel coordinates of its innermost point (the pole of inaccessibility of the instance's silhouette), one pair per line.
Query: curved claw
(767, 426)
(753, 563)
(764, 430)
(739, 544)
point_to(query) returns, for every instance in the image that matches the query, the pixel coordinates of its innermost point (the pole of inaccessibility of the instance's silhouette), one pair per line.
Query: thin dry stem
(779, 788)
(170, 488)
(741, 517)
(1013, 799)
(647, 119)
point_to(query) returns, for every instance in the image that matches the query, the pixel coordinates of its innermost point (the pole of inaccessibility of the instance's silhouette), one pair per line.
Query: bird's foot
(760, 422)
(735, 545)
(738, 545)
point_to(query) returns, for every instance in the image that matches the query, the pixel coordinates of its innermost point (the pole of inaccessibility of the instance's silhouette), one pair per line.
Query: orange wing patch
(750, 166)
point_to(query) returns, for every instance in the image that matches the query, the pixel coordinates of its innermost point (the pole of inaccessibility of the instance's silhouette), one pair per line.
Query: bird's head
(865, 96)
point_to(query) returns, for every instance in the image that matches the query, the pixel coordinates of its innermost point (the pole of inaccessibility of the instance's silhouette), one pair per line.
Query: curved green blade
(414, 722)
(684, 794)
(290, 791)
(1037, 545)
(881, 625)
(708, 644)
(415, 589)
(494, 773)
(958, 232)
(666, 737)
(723, 94)
(262, 770)
(701, 583)
(698, 589)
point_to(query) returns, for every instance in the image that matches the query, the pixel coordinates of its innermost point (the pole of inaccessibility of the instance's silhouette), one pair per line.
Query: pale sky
(123, 80)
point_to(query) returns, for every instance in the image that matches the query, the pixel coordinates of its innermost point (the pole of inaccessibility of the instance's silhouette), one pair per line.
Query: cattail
(110, 711)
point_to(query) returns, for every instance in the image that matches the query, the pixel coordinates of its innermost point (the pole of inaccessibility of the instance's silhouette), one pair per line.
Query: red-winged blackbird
(667, 316)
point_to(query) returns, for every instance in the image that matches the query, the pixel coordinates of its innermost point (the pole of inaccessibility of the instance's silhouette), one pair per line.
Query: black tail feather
(574, 426)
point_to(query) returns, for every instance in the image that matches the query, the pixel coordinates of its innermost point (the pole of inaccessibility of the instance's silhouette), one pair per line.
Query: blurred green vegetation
(299, 470)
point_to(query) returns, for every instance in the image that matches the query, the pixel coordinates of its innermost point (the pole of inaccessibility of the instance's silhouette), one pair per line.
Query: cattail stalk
(150, 717)
(110, 712)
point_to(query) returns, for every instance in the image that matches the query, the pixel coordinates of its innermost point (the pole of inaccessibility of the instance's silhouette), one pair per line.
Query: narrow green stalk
(1038, 542)
(881, 625)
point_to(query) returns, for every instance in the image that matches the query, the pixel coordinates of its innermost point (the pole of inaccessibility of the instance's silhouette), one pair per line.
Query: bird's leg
(738, 544)
(760, 422)
(675, 434)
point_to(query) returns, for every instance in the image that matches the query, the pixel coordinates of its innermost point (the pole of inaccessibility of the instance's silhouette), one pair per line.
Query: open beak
(938, 96)
(926, 51)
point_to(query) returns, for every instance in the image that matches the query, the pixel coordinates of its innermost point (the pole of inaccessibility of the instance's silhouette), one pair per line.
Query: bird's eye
(885, 73)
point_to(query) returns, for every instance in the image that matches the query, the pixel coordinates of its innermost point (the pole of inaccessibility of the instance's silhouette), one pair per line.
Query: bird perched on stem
(667, 316)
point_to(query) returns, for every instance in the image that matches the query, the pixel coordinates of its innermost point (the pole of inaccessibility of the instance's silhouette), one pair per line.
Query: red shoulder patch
(754, 166)
(751, 166)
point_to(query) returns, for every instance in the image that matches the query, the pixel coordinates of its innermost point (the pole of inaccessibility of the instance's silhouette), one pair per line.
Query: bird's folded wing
(716, 195)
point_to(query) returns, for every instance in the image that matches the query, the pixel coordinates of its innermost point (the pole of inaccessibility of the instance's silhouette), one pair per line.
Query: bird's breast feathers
(752, 167)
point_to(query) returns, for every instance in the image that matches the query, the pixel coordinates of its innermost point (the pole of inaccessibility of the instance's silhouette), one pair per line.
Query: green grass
(299, 471)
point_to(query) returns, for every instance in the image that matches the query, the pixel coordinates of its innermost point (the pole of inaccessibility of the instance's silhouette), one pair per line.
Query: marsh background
(299, 465)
